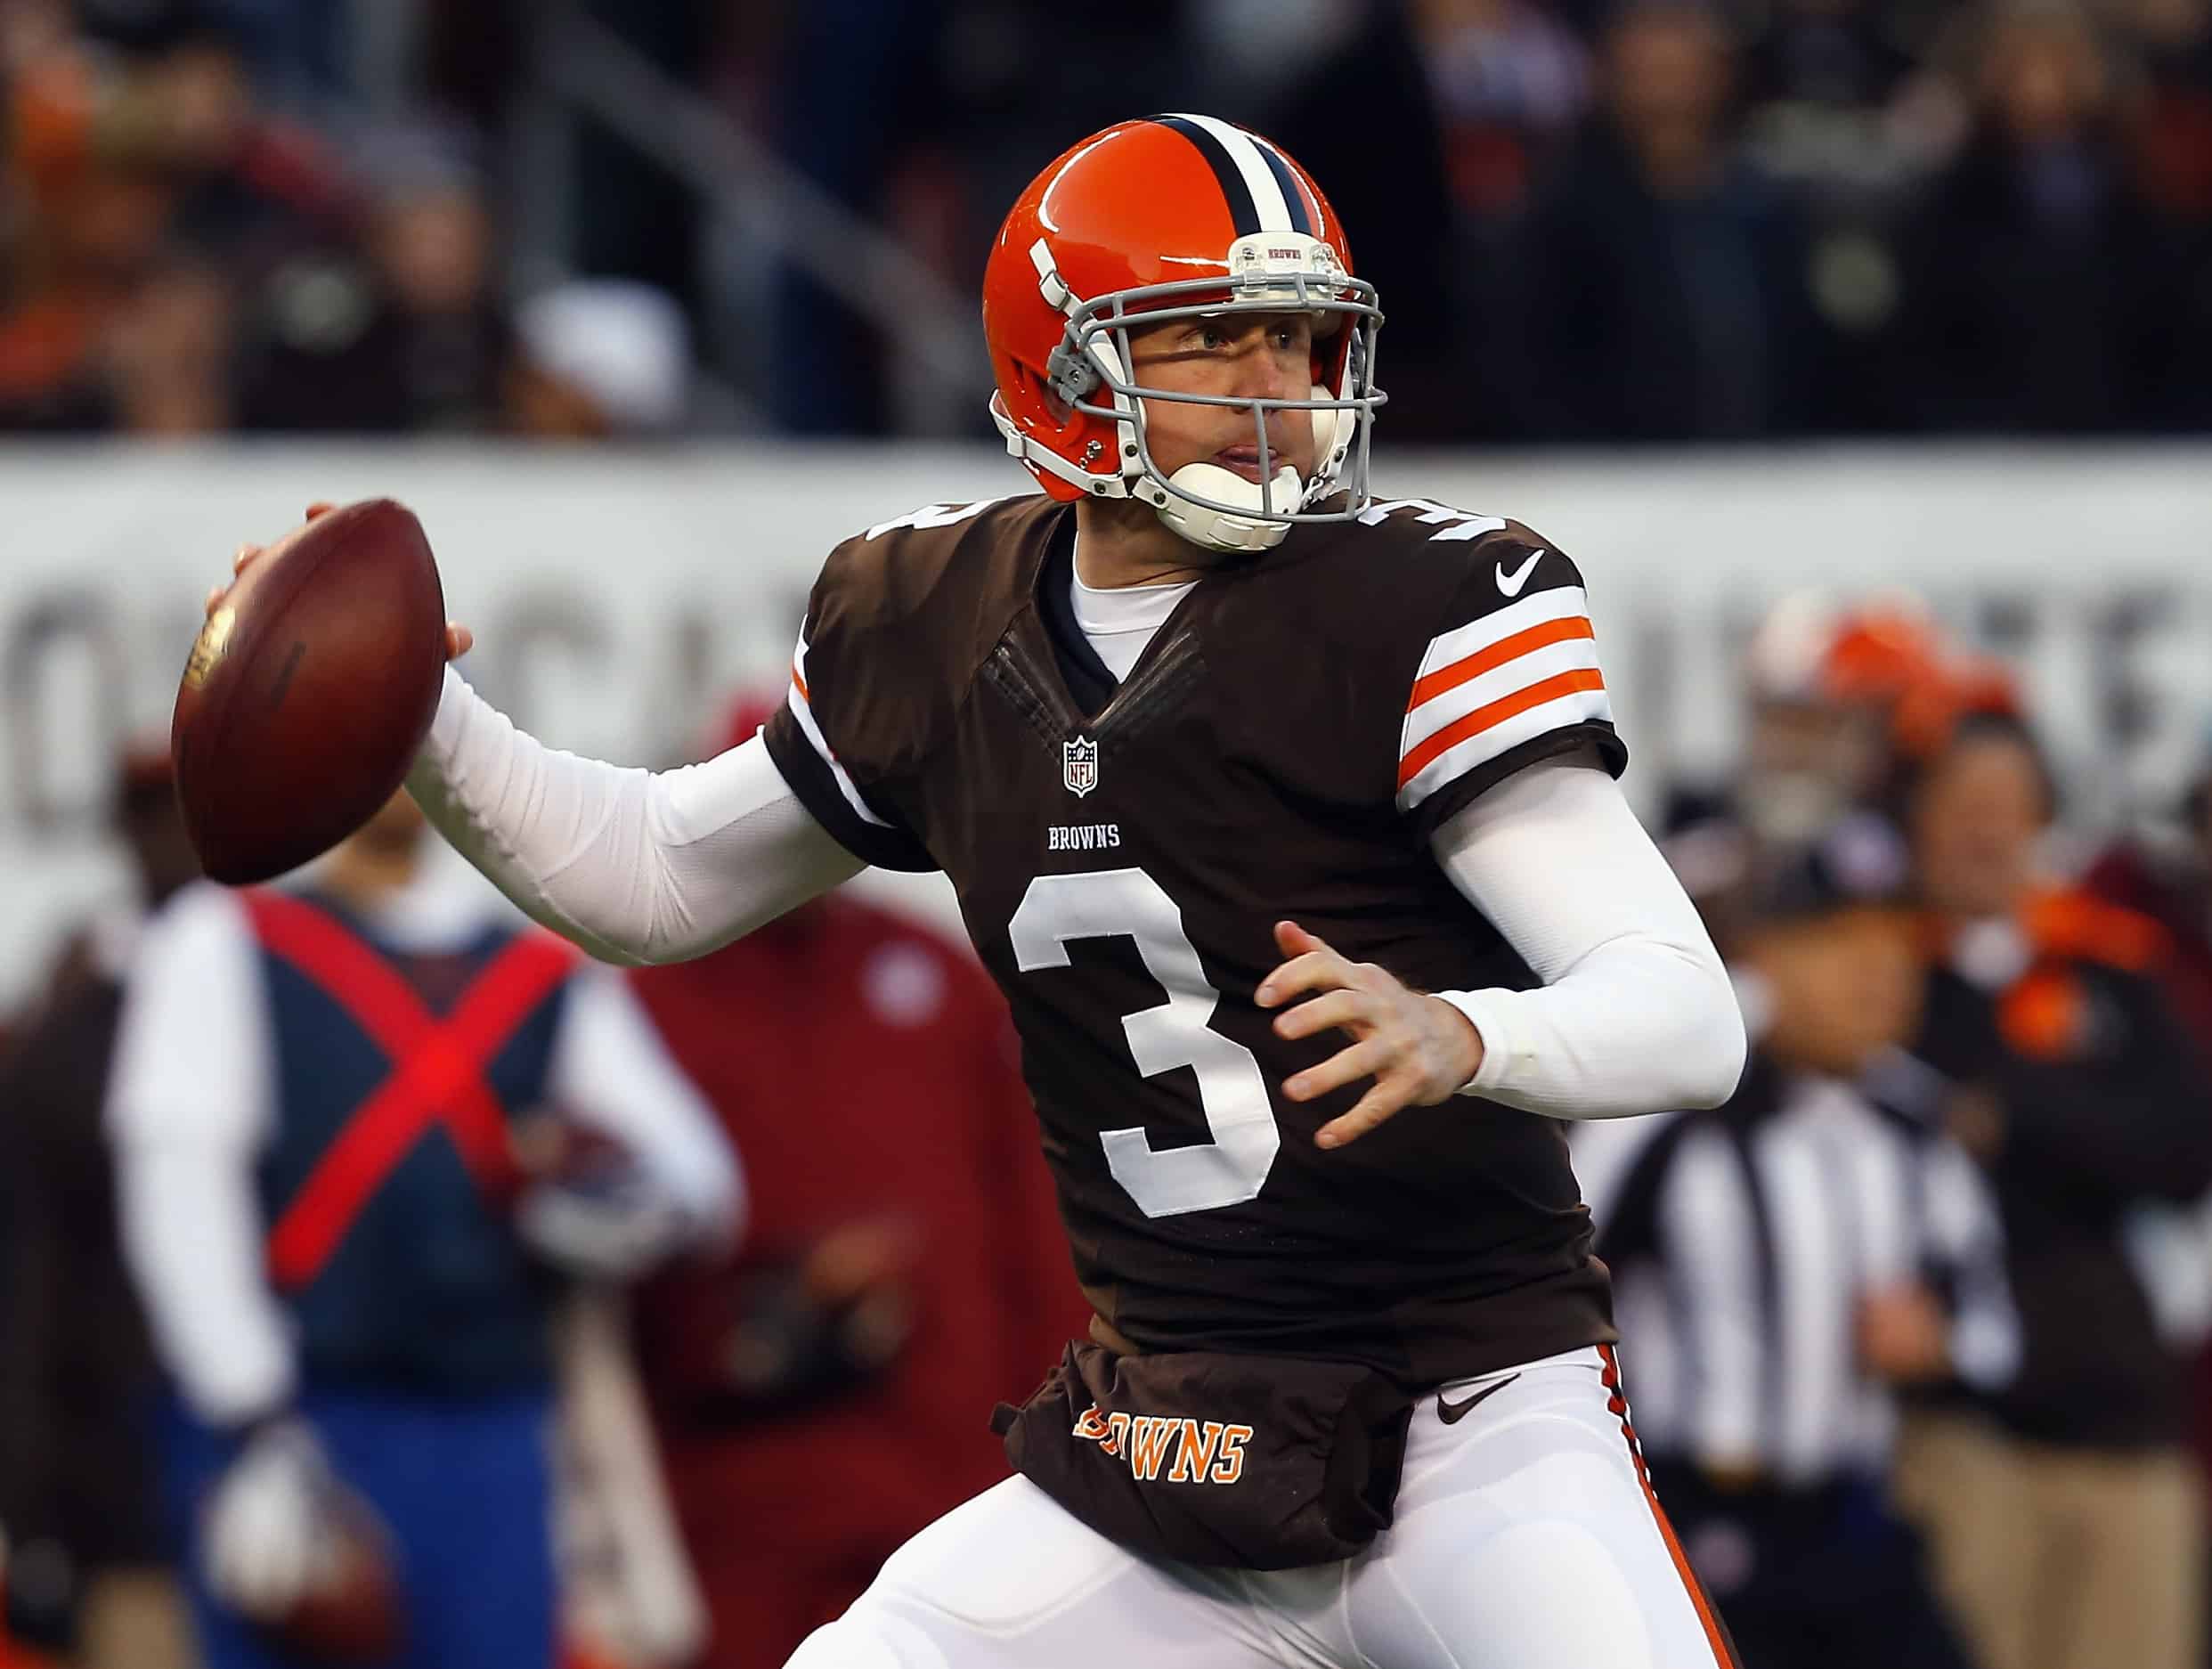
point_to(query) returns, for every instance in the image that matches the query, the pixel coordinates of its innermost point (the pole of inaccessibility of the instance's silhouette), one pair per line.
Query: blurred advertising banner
(618, 595)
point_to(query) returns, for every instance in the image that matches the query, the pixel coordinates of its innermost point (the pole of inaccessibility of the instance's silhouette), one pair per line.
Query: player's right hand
(458, 639)
(265, 1520)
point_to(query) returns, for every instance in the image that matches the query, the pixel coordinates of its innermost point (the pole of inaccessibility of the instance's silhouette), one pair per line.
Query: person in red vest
(826, 1394)
(319, 1106)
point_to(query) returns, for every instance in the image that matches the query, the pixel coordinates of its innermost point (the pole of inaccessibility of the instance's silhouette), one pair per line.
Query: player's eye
(1212, 337)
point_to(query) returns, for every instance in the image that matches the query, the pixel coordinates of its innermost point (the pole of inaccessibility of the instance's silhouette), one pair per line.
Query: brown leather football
(354, 1612)
(309, 691)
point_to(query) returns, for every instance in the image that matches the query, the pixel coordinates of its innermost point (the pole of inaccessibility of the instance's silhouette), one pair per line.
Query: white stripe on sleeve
(1487, 686)
(802, 708)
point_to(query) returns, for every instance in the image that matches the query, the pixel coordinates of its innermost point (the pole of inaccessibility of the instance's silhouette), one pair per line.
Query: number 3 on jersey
(1128, 903)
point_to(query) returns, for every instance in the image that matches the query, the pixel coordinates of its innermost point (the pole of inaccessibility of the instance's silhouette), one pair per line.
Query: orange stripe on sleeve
(1497, 653)
(1497, 712)
(799, 683)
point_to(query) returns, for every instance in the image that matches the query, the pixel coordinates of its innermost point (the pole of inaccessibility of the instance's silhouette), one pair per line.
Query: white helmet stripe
(1259, 179)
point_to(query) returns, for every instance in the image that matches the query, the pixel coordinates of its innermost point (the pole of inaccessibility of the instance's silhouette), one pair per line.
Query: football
(309, 691)
(354, 1612)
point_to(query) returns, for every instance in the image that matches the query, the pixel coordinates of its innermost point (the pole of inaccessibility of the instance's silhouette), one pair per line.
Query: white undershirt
(1120, 621)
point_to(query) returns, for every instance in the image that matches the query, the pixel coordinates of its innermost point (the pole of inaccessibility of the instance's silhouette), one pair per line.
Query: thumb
(321, 506)
(1294, 941)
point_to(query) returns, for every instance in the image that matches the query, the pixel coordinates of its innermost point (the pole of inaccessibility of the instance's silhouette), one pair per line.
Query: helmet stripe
(1243, 210)
(1267, 199)
(1301, 219)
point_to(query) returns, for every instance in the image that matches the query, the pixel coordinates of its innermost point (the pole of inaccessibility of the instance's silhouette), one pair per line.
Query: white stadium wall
(617, 596)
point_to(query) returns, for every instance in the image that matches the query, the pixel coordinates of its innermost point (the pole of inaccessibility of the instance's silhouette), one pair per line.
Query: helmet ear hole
(1048, 396)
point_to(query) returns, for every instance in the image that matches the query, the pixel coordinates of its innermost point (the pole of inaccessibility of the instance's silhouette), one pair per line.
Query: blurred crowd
(385, 1284)
(207, 226)
(1916, 1322)
(1601, 221)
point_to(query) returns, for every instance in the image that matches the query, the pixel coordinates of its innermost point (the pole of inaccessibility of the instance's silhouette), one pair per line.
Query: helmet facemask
(1271, 274)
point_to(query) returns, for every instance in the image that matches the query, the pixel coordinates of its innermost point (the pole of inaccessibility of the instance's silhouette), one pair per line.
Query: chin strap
(1222, 529)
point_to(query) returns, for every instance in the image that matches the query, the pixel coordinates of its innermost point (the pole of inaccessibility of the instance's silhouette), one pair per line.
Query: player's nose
(1266, 375)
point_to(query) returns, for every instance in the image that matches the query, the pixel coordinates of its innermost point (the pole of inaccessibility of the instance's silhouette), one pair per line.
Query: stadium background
(643, 304)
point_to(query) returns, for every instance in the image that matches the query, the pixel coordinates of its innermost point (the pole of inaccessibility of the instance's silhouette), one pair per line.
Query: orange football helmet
(1148, 222)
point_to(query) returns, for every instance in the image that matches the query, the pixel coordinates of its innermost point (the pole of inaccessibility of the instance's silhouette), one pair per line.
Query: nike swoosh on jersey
(1451, 1412)
(1511, 583)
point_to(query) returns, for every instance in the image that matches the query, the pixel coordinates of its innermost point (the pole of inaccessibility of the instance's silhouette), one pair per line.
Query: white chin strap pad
(1218, 529)
(1325, 426)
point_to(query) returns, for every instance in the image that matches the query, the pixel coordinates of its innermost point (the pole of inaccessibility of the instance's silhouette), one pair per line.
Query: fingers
(458, 640)
(1337, 1008)
(1323, 971)
(321, 506)
(1313, 966)
(1371, 1109)
(1363, 1059)
(240, 557)
(215, 594)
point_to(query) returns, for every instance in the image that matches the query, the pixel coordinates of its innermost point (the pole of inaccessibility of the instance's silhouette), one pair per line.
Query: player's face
(1844, 988)
(1803, 762)
(1975, 823)
(1240, 356)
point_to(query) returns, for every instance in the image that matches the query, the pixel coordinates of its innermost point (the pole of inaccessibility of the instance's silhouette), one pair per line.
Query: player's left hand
(458, 639)
(1419, 1049)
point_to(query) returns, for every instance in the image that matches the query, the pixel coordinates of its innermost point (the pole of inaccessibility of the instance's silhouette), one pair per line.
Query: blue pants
(466, 1489)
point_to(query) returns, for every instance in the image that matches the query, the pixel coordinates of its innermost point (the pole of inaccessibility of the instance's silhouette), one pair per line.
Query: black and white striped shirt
(1742, 1241)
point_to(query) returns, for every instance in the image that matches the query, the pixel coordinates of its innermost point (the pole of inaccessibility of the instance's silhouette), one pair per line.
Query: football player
(1286, 820)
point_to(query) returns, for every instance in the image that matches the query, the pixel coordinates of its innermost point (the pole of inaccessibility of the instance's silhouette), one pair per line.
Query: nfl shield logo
(1078, 766)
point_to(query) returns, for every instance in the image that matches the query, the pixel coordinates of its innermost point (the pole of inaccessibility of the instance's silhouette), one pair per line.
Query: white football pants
(1526, 1538)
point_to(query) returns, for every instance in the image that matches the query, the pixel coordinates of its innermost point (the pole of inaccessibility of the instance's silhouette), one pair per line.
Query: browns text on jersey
(1286, 746)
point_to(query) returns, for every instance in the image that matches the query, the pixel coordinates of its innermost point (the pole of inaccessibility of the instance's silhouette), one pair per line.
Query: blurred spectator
(397, 330)
(1767, 226)
(829, 1394)
(853, 86)
(1508, 78)
(169, 368)
(1768, 1259)
(1664, 280)
(358, 1132)
(88, 1573)
(2036, 281)
(1357, 56)
(1827, 686)
(1818, 74)
(2069, 1532)
(598, 358)
(2170, 881)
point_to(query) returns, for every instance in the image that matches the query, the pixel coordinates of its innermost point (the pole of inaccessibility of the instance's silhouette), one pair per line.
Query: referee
(1771, 1260)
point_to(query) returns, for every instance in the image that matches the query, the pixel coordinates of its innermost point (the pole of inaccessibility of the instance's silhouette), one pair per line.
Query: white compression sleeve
(191, 1101)
(1635, 1013)
(634, 866)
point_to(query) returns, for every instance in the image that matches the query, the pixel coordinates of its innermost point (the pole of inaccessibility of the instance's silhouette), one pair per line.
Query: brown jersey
(1285, 747)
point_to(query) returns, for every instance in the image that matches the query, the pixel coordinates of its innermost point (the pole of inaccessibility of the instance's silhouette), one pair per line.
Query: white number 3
(1128, 903)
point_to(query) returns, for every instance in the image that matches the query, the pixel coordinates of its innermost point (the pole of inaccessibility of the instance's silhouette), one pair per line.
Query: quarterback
(1285, 818)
